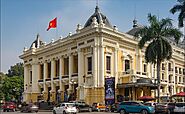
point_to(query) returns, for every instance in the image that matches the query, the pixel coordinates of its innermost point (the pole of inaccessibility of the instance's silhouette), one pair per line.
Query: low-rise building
(75, 67)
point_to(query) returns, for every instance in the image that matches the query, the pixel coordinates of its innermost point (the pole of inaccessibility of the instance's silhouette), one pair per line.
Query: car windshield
(141, 104)
(70, 105)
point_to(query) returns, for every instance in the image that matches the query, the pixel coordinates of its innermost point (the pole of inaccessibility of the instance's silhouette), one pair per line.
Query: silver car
(65, 108)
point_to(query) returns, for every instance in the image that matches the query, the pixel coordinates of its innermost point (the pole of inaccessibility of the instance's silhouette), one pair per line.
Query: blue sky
(21, 20)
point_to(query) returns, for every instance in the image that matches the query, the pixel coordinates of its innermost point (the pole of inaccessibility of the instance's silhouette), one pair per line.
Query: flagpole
(56, 29)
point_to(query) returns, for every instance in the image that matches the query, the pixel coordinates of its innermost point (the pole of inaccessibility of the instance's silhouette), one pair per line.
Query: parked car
(114, 107)
(29, 108)
(98, 107)
(167, 108)
(82, 106)
(179, 108)
(134, 107)
(153, 104)
(65, 108)
(9, 106)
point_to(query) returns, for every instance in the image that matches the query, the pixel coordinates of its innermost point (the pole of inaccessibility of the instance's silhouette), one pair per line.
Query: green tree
(16, 70)
(2, 76)
(158, 48)
(180, 7)
(12, 87)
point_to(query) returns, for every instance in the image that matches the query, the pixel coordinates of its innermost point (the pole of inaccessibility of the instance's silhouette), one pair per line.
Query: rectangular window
(57, 67)
(30, 77)
(180, 72)
(75, 66)
(169, 78)
(89, 65)
(163, 68)
(66, 66)
(183, 71)
(49, 70)
(169, 66)
(162, 76)
(127, 65)
(176, 71)
(41, 71)
(179, 79)
(145, 68)
(108, 64)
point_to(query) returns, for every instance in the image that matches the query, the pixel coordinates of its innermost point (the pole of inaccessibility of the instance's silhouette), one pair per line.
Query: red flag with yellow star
(52, 24)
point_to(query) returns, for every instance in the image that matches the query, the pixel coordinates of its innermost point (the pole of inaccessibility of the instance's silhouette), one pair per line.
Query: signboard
(110, 91)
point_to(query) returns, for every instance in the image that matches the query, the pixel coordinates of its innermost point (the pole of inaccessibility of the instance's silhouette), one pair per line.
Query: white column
(152, 70)
(173, 78)
(116, 65)
(81, 72)
(80, 67)
(101, 64)
(61, 72)
(95, 66)
(26, 82)
(35, 77)
(52, 74)
(148, 70)
(45, 75)
(70, 70)
(140, 61)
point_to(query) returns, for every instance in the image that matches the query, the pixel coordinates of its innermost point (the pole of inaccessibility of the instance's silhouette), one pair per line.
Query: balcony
(74, 75)
(48, 79)
(170, 70)
(171, 81)
(65, 76)
(164, 81)
(127, 72)
(56, 78)
(41, 80)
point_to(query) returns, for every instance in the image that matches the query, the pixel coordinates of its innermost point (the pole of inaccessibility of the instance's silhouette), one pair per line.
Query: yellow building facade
(76, 66)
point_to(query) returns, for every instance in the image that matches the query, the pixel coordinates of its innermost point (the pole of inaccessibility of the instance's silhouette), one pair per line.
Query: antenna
(158, 15)
(134, 11)
(97, 2)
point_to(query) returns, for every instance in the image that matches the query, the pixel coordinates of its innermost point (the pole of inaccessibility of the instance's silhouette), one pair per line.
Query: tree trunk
(158, 80)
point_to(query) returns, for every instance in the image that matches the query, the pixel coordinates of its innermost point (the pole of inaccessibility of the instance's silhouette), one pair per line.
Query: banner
(110, 91)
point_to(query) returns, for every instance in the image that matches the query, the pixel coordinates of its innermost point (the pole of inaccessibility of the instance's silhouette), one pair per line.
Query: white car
(65, 108)
(179, 107)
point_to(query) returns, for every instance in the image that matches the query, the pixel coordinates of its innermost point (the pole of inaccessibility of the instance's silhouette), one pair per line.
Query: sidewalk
(45, 110)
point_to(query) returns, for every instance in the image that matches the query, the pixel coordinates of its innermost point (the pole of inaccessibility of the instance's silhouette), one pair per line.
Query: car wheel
(122, 111)
(4, 110)
(99, 110)
(64, 112)
(90, 109)
(144, 112)
(168, 112)
(78, 110)
(54, 112)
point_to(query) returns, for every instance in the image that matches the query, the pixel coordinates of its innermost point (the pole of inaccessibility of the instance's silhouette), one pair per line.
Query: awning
(139, 83)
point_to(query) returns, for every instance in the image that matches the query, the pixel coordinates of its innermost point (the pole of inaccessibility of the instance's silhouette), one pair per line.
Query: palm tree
(158, 48)
(179, 8)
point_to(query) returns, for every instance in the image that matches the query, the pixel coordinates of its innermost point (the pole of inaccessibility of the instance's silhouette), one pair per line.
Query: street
(51, 113)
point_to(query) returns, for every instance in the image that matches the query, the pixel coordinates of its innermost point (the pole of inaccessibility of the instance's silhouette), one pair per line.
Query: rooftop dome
(99, 16)
(37, 43)
(136, 28)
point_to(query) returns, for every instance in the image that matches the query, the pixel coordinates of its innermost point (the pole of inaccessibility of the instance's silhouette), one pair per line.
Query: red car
(9, 106)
